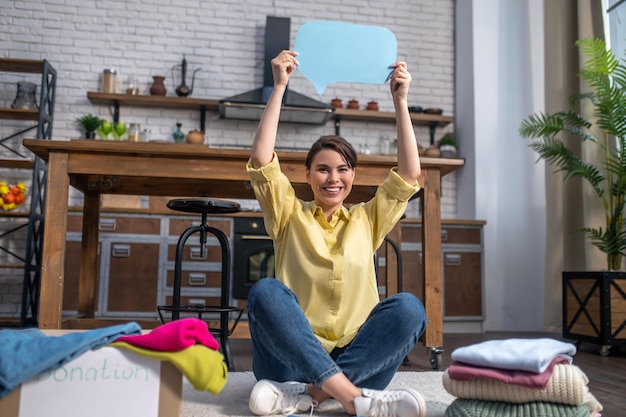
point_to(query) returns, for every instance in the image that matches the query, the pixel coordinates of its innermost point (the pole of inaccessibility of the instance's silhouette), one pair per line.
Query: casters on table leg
(605, 350)
(434, 353)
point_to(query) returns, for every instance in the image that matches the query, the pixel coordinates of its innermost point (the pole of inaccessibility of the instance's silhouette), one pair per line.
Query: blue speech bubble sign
(330, 52)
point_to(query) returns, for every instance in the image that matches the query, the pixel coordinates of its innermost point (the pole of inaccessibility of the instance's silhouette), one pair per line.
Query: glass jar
(134, 132)
(25, 97)
(109, 81)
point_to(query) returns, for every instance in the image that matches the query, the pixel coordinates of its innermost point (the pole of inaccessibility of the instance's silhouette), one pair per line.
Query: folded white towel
(533, 355)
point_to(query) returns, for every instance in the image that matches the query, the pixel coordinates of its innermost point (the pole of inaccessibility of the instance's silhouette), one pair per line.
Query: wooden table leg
(431, 252)
(88, 278)
(53, 251)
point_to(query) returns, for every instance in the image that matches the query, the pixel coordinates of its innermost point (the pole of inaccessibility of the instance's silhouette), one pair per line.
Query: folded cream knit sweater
(567, 385)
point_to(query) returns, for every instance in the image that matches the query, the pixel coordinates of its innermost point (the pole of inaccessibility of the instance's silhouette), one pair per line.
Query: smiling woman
(330, 171)
(315, 326)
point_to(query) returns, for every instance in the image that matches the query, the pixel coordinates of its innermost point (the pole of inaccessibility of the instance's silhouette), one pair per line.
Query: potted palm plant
(594, 302)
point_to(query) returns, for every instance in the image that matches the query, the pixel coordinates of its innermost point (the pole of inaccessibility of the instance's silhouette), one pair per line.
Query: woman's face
(331, 180)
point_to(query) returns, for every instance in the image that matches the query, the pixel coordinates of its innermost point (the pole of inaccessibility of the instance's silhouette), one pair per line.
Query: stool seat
(204, 205)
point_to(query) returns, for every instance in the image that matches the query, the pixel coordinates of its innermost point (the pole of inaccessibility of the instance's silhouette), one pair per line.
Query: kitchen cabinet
(136, 258)
(201, 276)
(16, 159)
(462, 265)
(137, 254)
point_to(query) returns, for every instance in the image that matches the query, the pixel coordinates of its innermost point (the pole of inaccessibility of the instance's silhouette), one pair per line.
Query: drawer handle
(255, 237)
(453, 259)
(120, 251)
(197, 279)
(197, 302)
(107, 224)
(444, 235)
(196, 253)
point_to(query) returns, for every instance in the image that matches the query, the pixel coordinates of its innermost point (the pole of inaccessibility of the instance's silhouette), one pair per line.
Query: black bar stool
(206, 206)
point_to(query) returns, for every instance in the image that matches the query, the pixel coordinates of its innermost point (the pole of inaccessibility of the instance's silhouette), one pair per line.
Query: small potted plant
(447, 145)
(89, 123)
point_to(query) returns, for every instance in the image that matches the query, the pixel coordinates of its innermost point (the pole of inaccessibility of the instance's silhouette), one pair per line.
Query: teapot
(182, 90)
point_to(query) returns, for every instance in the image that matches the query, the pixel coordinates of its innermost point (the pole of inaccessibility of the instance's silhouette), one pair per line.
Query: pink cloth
(174, 336)
(460, 371)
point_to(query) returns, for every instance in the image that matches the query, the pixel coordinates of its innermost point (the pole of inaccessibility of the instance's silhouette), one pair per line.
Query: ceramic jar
(353, 104)
(195, 137)
(432, 152)
(158, 86)
(336, 103)
(372, 105)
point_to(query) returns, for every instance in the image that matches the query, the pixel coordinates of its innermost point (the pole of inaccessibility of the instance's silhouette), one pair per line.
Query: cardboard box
(100, 383)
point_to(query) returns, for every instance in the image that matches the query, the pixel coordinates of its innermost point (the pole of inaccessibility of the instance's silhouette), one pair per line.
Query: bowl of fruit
(11, 195)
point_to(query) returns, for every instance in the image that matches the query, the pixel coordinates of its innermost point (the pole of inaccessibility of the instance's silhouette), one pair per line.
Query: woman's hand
(265, 138)
(400, 79)
(283, 66)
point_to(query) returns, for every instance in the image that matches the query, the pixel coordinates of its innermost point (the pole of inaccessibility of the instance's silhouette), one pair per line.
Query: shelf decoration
(11, 195)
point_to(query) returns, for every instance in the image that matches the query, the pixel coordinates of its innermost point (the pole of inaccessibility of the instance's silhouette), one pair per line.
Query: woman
(319, 330)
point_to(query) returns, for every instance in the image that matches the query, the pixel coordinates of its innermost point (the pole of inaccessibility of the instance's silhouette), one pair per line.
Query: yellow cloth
(328, 265)
(204, 368)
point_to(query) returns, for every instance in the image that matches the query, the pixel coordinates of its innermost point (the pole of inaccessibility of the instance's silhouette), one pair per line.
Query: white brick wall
(144, 38)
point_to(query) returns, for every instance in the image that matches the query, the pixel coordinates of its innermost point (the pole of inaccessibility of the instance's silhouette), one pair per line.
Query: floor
(607, 374)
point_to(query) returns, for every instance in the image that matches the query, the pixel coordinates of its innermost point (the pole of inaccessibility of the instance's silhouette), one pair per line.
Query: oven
(253, 256)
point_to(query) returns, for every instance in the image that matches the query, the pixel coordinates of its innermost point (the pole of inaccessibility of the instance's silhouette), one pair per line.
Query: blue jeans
(284, 347)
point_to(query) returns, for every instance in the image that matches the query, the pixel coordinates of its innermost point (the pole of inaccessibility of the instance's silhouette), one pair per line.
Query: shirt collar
(315, 210)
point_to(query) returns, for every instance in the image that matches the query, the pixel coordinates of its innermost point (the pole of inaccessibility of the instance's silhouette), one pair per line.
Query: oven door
(253, 258)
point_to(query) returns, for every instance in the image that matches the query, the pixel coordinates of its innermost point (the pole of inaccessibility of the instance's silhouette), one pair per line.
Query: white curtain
(569, 205)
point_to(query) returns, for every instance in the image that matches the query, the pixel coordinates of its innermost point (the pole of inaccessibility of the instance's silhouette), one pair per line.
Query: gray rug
(233, 399)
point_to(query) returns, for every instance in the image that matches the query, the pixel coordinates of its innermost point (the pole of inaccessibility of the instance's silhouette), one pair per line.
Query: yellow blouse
(328, 265)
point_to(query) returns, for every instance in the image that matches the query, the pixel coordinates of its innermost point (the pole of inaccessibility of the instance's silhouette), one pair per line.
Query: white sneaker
(269, 397)
(393, 403)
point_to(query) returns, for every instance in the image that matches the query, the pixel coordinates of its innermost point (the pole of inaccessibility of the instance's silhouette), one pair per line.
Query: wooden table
(169, 169)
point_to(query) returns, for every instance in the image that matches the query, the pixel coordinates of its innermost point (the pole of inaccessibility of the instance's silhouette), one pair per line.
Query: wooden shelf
(32, 66)
(17, 163)
(19, 114)
(390, 117)
(213, 105)
(14, 214)
(152, 101)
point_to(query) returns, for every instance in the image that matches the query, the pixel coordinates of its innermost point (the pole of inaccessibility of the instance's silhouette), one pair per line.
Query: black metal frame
(224, 309)
(34, 243)
(604, 283)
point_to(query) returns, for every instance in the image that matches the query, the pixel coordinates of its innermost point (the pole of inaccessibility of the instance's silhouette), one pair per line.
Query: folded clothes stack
(520, 378)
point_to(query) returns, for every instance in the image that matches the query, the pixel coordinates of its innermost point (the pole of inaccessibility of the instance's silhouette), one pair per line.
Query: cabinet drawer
(462, 286)
(463, 235)
(201, 300)
(178, 225)
(133, 277)
(192, 252)
(202, 279)
(462, 281)
(119, 224)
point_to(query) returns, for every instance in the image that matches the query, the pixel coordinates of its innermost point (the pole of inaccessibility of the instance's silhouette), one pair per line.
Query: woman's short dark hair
(335, 143)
